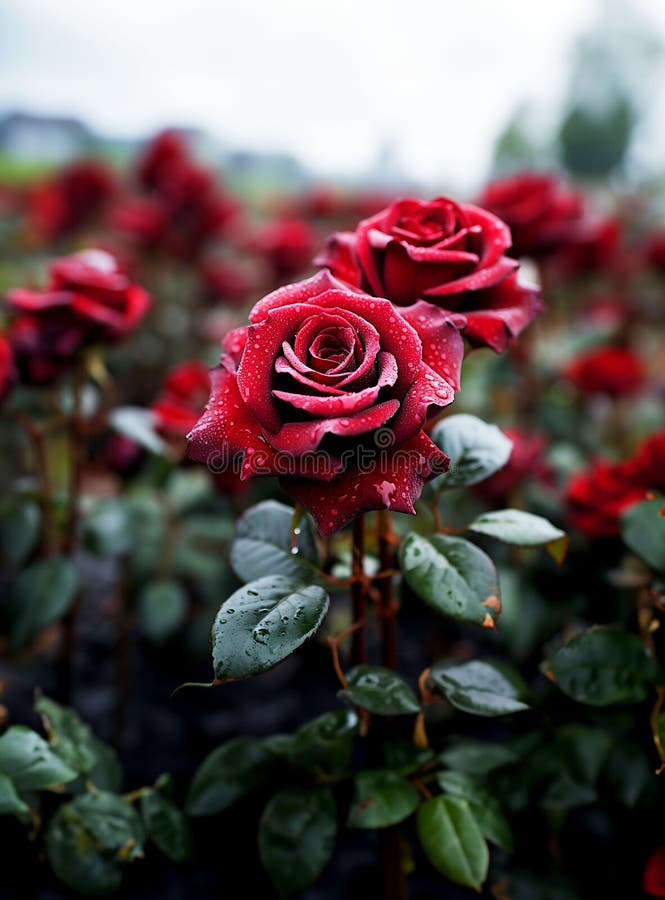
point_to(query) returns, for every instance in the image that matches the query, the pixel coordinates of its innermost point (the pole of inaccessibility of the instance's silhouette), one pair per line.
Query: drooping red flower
(288, 246)
(328, 389)
(615, 371)
(541, 213)
(88, 299)
(73, 199)
(526, 462)
(653, 877)
(183, 397)
(449, 256)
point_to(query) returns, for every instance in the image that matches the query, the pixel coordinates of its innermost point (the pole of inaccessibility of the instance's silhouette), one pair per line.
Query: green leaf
(262, 623)
(166, 826)
(162, 607)
(10, 802)
(68, 735)
(297, 836)
(379, 691)
(89, 839)
(604, 666)
(262, 545)
(453, 841)
(381, 798)
(106, 772)
(453, 576)
(106, 529)
(404, 756)
(30, 762)
(478, 688)
(485, 808)
(20, 524)
(227, 774)
(138, 424)
(40, 596)
(322, 745)
(478, 757)
(643, 531)
(476, 450)
(568, 765)
(522, 528)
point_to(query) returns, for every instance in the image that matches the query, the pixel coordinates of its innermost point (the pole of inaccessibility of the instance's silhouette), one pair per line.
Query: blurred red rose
(7, 371)
(88, 299)
(73, 199)
(597, 497)
(653, 878)
(183, 397)
(327, 389)
(288, 246)
(162, 153)
(526, 462)
(227, 282)
(450, 255)
(615, 371)
(122, 455)
(542, 215)
(654, 250)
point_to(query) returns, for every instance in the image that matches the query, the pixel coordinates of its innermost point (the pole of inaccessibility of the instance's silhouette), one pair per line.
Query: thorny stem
(358, 591)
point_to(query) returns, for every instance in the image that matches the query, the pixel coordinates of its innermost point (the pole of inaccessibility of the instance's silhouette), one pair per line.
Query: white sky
(328, 81)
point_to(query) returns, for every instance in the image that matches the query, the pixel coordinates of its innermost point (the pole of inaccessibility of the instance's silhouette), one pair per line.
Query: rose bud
(438, 260)
(329, 390)
(596, 498)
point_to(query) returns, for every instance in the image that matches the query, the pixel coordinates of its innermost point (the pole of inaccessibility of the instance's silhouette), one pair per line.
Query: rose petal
(443, 346)
(506, 311)
(395, 483)
(301, 437)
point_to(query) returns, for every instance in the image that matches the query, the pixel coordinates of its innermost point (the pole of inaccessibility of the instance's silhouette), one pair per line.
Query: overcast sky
(328, 81)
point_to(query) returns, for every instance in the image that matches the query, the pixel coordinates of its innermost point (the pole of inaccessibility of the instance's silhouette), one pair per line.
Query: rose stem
(76, 460)
(394, 882)
(37, 435)
(123, 661)
(358, 597)
(387, 606)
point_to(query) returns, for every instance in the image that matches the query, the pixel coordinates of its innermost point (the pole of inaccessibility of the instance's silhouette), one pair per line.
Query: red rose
(87, 293)
(165, 151)
(525, 463)
(542, 215)
(288, 246)
(43, 347)
(72, 200)
(7, 371)
(653, 878)
(647, 467)
(179, 406)
(615, 371)
(597, 497)
(225, 282)
(450, 255)
(329, 390)
(654, 250)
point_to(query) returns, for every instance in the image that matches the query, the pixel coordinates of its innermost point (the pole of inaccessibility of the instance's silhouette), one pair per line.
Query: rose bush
(444, 254)
(322, 374)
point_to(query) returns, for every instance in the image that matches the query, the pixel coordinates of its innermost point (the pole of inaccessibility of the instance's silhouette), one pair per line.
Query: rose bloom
(525, 463)
(71, 200)
(615, 371)
(439, 259)
(542, 215)
(7, 371)
(88, 299)
(162, 153)
(288, 246)
(653, 877)
(227, 282)
(183, 397)
(597, 497)
(329, 389)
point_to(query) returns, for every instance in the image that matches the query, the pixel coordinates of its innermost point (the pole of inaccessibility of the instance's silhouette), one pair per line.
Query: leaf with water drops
(267, 543)
(478, 688)
(453, 576)
(514, 526)
(379, 691)
(262, 623)
(322, 745)
(476, 450)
